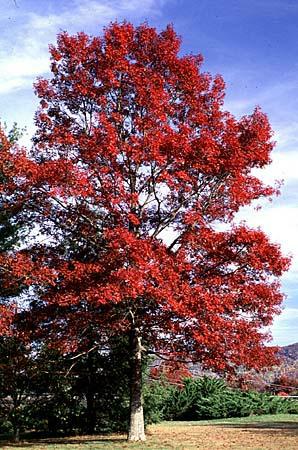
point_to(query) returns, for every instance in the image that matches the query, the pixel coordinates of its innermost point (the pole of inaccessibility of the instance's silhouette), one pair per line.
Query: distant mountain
(289, 352)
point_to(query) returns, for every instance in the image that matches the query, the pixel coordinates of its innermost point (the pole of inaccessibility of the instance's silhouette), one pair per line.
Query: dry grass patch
(258, 433)
(250, 436)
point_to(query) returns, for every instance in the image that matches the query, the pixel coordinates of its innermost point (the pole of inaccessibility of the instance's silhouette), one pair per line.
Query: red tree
(135, 165)
(12, 197)
(171, 371)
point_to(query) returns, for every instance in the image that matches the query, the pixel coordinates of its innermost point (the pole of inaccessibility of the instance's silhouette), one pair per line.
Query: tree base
(136, 429)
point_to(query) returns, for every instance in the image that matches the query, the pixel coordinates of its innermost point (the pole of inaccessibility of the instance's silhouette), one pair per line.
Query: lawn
(250, 433)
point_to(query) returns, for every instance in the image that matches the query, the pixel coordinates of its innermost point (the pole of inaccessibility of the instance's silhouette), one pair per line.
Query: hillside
(289, 352)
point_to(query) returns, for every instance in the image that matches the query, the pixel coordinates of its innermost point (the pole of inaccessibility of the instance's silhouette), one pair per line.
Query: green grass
(238, 420)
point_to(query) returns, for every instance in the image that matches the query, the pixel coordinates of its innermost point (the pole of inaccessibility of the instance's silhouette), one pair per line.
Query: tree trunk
(16, 433)
(15, 418)
(91, 414)
(136, 426)
(90, 397)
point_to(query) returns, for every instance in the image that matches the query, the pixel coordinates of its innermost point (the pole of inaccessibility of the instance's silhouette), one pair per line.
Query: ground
(278, 432)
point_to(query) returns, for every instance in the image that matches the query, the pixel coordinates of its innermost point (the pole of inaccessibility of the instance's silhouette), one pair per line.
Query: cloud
(25, 57)
(256, 87)
(280, 223)
(285, 327)
(286, 136)
(288, 314)
(283, 168)
(278, 219)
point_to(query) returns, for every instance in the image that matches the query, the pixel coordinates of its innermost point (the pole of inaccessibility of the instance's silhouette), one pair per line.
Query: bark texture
(136, 426)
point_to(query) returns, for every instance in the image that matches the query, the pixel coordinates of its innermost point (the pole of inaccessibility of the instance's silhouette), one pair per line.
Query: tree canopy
(135, 177)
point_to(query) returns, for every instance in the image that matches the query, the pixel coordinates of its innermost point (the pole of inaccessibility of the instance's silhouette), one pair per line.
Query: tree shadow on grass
(99, 440)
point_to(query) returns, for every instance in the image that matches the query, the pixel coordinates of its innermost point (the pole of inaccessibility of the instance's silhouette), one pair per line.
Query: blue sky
(252, 43)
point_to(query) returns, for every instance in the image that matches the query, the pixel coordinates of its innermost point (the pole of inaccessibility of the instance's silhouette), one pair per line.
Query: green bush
(236, 403)
(5, 427)
(209, 398)
(156, 397)
(183, 404)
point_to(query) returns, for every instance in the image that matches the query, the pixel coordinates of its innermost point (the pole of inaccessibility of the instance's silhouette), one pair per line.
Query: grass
(271, 432)
(293, 418)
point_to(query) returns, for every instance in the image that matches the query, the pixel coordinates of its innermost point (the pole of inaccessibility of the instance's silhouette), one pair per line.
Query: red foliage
(171, 371)
(286, 383)
(135, 164)
(12, 195)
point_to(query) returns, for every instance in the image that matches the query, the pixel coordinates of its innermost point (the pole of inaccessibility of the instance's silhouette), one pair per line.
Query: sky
(251, 43)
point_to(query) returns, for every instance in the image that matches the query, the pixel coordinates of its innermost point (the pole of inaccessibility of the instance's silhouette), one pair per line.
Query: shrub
(210, 398)
(157, 395)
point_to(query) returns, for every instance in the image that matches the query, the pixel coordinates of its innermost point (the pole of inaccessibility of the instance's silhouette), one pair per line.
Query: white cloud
(25, 56)
(285, 327)
(286, 136)
(278, 219)
(283, 167)
(280, 223)
(253, 93)
(288, 314)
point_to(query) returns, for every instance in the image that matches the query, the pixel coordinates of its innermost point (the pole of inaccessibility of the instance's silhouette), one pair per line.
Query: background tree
(87, 387)
(17, 374)
(15, 363)
(134, 167)
(11, 224)
(173, 372)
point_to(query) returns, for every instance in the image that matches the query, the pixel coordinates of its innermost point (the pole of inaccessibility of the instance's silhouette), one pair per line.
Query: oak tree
(136, 175)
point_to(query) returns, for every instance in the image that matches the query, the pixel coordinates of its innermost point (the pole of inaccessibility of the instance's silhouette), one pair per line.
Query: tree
(11, 223)
(92, 367)
(17, 375)
(172, 372)
(135, 165)
(14, 351)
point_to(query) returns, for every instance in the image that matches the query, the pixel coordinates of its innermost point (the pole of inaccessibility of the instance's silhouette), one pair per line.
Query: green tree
(17, 374)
